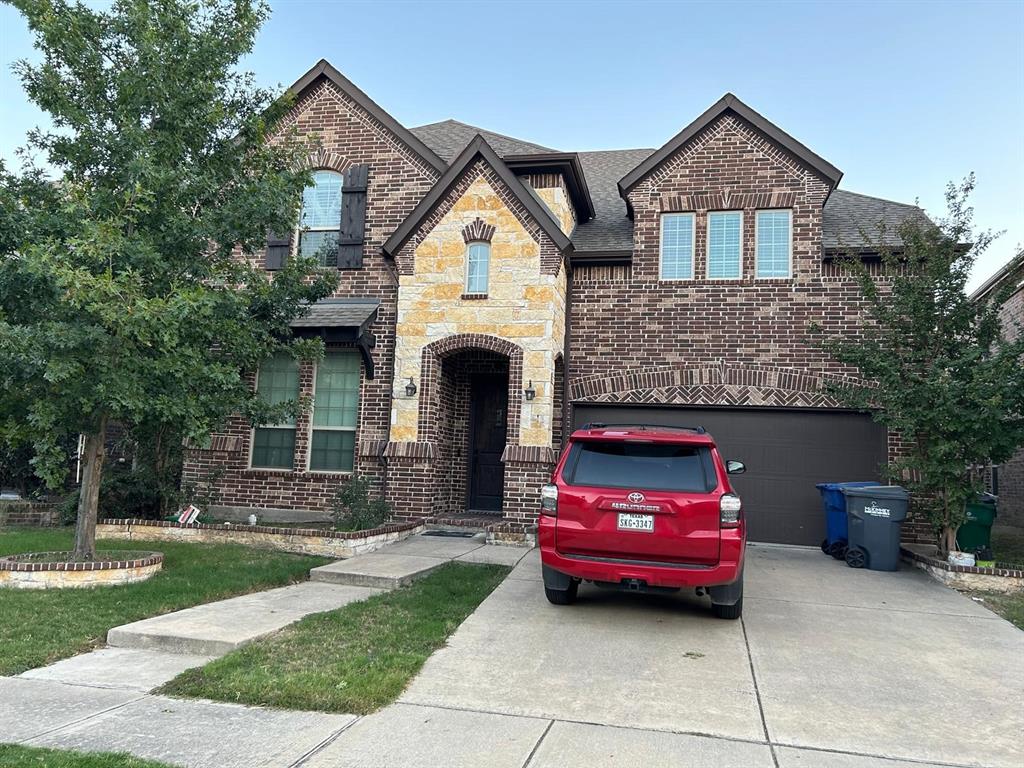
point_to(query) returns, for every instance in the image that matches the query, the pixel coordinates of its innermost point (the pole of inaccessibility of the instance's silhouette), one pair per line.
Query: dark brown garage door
(786, 453)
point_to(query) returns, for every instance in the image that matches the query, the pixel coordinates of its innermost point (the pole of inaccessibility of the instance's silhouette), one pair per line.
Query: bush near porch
(42, 626)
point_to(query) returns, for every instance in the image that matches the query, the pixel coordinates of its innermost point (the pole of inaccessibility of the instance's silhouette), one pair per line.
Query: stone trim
(407, 450)
(718, 201)
(479, 231)
(26, 563)
(430, 372)
(323, 533)
(1001, 569)
(1004, 577)
(528, 454)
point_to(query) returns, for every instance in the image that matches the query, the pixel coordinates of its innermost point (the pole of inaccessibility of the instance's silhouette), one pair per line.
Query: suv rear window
(653, 466)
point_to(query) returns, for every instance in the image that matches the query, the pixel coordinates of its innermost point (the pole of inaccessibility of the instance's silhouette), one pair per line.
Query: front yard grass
(13, 756)
(1008, 546)
(42, 626)
(355, 659)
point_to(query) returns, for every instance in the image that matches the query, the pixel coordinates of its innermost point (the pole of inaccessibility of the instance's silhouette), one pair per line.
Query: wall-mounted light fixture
(410, 388)
(530, 392)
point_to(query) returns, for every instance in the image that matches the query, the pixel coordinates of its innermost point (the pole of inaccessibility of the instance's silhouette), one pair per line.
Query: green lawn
(356, 659)
(1008, 546)
(12, 756)
(41, 626)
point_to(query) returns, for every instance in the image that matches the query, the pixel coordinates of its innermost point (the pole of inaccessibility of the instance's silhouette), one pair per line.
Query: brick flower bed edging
(28, 571)
(1002, 578)
(304, 541)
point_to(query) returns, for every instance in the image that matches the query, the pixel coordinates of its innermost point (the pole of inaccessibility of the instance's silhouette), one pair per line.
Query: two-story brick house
(495, 293)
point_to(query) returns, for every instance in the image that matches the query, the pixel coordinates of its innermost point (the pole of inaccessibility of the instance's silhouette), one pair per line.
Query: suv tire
(562, 596)
(733, 611)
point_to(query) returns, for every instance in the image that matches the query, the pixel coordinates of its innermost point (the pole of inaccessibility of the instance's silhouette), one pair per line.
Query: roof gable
(727, 104)
(478, 148)
(324, 69)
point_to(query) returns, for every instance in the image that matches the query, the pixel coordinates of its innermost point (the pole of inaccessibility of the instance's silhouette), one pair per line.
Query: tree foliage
(936, 367)
(131, 288)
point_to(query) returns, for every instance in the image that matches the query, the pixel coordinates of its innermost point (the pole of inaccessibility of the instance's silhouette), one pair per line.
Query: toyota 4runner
(643, 508)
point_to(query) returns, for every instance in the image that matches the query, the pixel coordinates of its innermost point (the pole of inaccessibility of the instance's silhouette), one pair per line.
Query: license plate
(631, 522)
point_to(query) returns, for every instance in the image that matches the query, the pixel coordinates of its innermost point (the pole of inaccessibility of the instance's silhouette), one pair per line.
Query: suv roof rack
(602, 425)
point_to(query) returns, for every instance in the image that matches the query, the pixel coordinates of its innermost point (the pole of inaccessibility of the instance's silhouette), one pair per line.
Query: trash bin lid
(878, 492)
(846, 484)
(987, 498)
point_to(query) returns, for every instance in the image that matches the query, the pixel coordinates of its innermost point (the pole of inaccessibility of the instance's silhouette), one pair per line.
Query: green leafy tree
(937, 368)
(125, 291)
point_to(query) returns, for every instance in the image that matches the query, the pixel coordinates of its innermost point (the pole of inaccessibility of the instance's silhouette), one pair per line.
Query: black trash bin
(875, 516)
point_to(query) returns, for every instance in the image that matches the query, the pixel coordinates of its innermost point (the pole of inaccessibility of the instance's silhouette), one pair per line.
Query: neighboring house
(1007, 481)
(496, 293)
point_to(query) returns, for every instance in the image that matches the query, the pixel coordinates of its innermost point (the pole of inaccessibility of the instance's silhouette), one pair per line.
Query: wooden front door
(488, 416)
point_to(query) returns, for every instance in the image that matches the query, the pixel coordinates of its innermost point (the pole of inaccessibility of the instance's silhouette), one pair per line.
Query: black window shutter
(353, 217)
(279, 247)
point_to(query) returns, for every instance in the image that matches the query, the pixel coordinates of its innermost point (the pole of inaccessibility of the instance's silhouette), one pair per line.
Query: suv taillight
(549, 500)
(729, 508)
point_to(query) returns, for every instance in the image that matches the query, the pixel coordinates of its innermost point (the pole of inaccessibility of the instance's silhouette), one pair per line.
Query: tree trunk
(89, 493)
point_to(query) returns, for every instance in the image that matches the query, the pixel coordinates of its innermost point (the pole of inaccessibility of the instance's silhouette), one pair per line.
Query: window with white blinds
(725, 235)
(774, 243)
(677, 246)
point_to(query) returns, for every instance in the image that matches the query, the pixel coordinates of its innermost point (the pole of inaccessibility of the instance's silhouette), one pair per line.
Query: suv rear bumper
(728, 570)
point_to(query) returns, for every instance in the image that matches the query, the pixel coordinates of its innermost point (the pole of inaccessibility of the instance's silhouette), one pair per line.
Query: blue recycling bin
(836, 526)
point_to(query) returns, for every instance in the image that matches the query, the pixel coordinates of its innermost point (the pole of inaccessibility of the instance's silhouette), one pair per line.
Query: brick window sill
(473, 296)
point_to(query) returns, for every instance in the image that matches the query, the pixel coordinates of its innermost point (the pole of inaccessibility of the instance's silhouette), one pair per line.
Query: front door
(487, 423)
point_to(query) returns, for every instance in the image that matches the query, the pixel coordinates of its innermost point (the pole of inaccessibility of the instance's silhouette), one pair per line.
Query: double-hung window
(774, 243)
(677, 246)
(335, 412)
(725, 236)
(273, 446)
(478, 264)
(321, 218)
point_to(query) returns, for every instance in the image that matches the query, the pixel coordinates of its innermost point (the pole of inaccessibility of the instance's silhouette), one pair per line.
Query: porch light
(410, 388)
(530, 392)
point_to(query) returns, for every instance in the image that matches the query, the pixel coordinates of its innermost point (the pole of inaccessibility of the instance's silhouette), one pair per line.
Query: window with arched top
(321, 217)
(478, 262)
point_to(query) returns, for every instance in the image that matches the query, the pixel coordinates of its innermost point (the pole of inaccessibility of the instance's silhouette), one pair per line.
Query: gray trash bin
(876, 513)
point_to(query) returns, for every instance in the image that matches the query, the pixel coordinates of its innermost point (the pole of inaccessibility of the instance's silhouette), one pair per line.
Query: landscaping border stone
(32, 570)
(1003, 578)
(305, 541)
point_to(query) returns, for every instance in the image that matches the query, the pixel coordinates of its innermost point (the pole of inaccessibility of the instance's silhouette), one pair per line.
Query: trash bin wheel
(838, 550)
(856, 557)
(824, 546)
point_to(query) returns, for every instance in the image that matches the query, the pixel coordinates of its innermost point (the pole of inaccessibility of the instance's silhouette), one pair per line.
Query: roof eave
(566, 163)
(477, 147)
(323, 68)
(729, 103)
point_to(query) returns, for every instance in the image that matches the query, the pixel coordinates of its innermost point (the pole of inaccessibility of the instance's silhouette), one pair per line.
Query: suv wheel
(562, 596)
(733, 611)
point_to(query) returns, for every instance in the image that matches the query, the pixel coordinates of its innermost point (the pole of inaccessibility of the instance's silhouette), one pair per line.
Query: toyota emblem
(635, 497)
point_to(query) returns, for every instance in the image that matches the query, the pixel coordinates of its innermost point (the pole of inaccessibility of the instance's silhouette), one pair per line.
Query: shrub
(352, 508)
(122, 495)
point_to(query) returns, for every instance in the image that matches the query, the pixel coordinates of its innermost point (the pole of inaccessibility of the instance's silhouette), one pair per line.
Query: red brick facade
(1011, 474)
(632, 338)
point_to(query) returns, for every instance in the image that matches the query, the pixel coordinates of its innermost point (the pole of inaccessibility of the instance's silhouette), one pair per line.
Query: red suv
(643, 508)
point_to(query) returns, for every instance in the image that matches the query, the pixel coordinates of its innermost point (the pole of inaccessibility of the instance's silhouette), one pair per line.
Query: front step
(381, 571)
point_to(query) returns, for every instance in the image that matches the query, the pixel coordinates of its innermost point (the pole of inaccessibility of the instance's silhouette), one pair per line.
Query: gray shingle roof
(337, 313)
(847, 213)
(449, 137)
(611, 230)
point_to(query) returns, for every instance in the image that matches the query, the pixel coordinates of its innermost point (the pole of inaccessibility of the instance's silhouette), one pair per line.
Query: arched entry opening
(470, 410)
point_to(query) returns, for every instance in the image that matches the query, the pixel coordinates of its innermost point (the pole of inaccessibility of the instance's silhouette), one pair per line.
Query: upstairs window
(335, 412)
(478, 263)
(725, 230)
(677, 246)
(774, 243)
(273, 446)
(321, 217)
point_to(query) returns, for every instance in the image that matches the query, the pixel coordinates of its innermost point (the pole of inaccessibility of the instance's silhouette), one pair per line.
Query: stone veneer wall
(29, 513)
(398, 180)
(522, 318)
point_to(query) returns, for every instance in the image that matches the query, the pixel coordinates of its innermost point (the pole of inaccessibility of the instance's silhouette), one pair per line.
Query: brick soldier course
(575, 310)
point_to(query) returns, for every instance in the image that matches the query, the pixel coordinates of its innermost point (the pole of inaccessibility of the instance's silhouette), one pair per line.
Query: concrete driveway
(829, 667)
